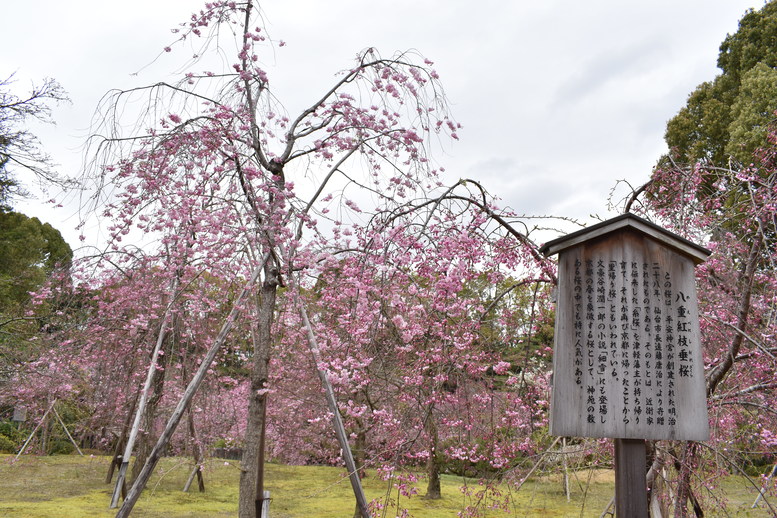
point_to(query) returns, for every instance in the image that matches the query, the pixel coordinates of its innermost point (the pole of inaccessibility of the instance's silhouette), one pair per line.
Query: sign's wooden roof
(628, 221)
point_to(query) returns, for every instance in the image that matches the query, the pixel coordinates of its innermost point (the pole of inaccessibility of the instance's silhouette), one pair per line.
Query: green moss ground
(72, 486)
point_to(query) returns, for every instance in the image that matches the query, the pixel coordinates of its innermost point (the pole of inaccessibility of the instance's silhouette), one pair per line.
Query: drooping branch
(20, 149)
(506, 292)
(744, 335)
(721, 454)
(745, 283)
(483, 206)
(635, 195)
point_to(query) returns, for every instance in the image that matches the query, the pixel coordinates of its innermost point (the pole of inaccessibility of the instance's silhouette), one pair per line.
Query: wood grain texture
(627, 358)
(630, 479)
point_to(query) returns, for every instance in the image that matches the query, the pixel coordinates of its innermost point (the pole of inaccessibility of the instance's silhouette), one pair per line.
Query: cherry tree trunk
(147, 436)
(120, 442)
(196, 449)
(687, 464)
(251, 475)
(360, 448)
(44, 435)
(433, 491)
(197, 454)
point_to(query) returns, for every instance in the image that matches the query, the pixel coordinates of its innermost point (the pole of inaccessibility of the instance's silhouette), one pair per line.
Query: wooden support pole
(765, 487)
(261, 494)
(265, 511)
(144, 395)
(156, 453)
(27, 442)
(630, 478)
(337, 420)
(56, 414)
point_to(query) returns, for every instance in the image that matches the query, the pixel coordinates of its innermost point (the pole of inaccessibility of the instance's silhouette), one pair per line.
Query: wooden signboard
(19, 414)
(627, 359)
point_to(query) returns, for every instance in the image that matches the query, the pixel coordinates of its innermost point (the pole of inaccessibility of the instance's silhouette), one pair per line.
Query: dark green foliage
(61, 447)
(699, 132)
(29, 252)
(12, 436)
(11, 430)
(727, 117)
(755, 42)
(7, 445)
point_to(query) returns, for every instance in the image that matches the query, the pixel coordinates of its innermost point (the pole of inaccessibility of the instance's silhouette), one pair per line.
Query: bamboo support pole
(56, 414)
(156, 453)
(764, 488)
(27, 442)
(337, 421)
(125, 459)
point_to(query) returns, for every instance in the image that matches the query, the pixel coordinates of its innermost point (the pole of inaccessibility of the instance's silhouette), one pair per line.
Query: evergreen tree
(727, 118)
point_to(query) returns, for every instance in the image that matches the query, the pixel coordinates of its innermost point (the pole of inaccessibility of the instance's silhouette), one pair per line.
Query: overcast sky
(558, 98)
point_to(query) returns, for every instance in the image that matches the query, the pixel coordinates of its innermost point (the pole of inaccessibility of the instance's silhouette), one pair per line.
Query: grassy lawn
(72, 486)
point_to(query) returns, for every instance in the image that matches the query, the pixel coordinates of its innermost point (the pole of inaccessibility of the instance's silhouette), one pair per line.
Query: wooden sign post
(627, 358)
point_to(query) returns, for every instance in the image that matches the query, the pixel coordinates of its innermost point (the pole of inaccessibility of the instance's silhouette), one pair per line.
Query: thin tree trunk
(198, 457)
(685, 466)
(565, 465)
(715, 376)
(45, 432)
(197, 454)
(745, 284)
(116, 461)
(359, 458)
(657, 501)
(433, 490)
(185, 401)
(360, 452)
(360, 448)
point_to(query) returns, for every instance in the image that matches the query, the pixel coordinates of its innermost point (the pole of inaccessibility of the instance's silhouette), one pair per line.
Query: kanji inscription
(627, 360)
